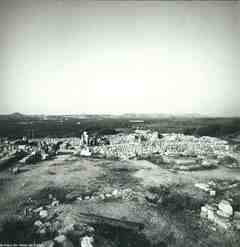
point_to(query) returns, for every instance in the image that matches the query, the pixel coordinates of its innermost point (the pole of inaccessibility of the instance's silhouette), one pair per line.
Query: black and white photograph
(119, 123)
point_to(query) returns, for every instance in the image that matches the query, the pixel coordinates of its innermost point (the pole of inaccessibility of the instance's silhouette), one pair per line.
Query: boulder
(226, 208)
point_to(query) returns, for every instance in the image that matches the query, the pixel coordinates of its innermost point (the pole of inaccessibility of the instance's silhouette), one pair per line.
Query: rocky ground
(71, 201)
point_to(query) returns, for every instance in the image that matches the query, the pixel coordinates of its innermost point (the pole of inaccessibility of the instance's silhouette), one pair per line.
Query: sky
(73, 57)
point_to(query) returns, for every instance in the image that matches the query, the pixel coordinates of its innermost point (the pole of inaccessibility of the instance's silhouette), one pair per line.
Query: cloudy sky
(73, 56)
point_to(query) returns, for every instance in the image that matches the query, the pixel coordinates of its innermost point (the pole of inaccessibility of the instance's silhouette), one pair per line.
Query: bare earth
(73, 174)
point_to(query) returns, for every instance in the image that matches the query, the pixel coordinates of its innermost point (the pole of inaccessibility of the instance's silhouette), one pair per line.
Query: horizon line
(126, 113)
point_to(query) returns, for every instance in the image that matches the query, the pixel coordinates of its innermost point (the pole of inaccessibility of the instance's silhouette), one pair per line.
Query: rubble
(220, 215)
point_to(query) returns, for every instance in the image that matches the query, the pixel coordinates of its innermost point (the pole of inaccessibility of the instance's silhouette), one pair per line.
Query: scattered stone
(43, 213)
(87, 241)
(226, 208)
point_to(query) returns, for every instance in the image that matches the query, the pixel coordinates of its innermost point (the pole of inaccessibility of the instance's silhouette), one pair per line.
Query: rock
(102, 196)
(115, 193)
(56, 226)
(207, 211)
(48, 243)
(202, 186)
(87, 241)
(43, 213)
(90, 229)
(212, 183)
(47, 225)
(212, 192)
(62, 241)
(87, 198)
(55, 203)
(221, 222)
(222, 214)
(37, 210)
(72, 196)
(236, 215)
(79, 198)
(15, 170)
(108, 195)
(67, 229)
(226, 208)
(42, 231)
(38, 223)
(151, 197)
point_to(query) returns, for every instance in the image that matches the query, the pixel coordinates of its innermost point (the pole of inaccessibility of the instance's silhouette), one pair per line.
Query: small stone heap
(222, 215)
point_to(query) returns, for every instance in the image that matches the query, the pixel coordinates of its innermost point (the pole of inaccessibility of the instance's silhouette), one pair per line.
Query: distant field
(74, 126)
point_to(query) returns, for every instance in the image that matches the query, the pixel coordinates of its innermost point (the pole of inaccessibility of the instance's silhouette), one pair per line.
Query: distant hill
(19, 116)
(162, 115)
